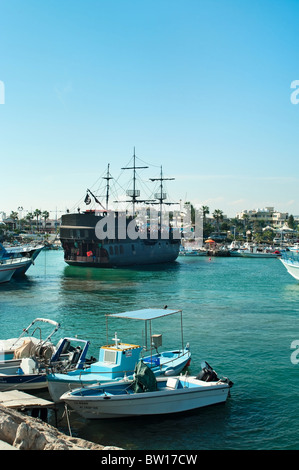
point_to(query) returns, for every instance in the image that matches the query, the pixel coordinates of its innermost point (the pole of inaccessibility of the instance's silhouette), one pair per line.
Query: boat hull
(292, 268)
(162, 401)
(170, 363)
(6, 274)
(9, 267)
(253, 255)
(82, 247)
(141, 255)
(28, 254)
(23, 382)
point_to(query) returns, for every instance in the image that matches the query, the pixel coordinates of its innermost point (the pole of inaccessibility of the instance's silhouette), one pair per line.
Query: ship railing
(9, 261)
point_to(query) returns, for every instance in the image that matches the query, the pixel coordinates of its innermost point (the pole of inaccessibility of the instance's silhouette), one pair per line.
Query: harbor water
(239, 314)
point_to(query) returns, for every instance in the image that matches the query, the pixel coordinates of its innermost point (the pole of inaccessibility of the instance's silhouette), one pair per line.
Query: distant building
(271, 217)
(52, 225)
(49, 226)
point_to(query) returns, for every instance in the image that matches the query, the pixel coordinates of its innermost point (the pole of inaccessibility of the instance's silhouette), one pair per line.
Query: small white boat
(253, 251)
(32, 336)
(118, 359)
(8, 267)
(193, 252)
(31, 372)
(147, 395)
(25, 254)
(294, 248)
(24, 361)
(290, 260)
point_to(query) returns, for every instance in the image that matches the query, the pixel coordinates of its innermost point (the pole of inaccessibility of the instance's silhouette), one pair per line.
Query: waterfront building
(269, 215)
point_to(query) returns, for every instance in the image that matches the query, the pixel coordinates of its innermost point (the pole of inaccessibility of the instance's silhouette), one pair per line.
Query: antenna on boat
(116, 340)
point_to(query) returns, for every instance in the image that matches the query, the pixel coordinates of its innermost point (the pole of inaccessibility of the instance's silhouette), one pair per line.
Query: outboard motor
(207, 374)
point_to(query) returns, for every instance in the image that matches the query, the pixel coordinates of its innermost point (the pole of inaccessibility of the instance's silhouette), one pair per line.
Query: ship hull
(82, 247)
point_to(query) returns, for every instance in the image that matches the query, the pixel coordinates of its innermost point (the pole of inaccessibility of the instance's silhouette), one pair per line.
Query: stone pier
(21, 432)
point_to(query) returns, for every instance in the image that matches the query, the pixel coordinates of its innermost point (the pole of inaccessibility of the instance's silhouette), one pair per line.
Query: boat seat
(172, 382)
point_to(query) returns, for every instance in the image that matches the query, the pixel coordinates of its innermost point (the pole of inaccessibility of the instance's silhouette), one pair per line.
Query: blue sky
(202, 87)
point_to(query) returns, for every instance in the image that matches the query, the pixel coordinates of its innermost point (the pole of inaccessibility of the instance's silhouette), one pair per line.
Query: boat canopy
(145, 314)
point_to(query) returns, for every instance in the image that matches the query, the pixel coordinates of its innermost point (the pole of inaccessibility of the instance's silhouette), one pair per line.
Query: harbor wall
(27, 433)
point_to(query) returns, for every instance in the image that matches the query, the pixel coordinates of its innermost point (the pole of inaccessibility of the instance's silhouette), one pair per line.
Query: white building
(272, 217)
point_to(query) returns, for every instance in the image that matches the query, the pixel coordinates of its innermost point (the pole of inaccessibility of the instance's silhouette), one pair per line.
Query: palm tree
(45, 216)
(245, 218)
(37, 213)
(218, 215)
(205, 210)
(29, 217)
(14, 216)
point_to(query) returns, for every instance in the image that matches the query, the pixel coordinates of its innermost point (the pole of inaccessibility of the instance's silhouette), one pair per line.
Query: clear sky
(202, 87)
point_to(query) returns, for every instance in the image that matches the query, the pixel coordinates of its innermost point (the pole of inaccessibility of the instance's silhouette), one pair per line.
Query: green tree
(192, 212)
(45, 216)
(218, 216)
(205, 210)
(14, 216)
(37, 213)
(245, 218)
(291, 222)
(29, 217)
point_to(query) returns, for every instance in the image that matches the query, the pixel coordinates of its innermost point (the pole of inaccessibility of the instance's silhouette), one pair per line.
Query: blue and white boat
(192, 252)
(24, 254)
(294, 248)
(8, 267)
(147, 395)
(118, 360)
(290, 260)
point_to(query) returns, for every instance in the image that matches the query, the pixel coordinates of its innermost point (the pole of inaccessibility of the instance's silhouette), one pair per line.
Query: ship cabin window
(111, 250)
(121, 249)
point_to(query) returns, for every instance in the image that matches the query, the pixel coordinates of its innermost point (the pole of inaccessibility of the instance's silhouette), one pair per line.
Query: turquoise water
(241, 315)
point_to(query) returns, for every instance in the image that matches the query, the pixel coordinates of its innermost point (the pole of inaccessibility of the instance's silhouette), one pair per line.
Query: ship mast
(87, 199)
(134, 193)
(108, 177)
(161, 196)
